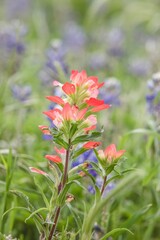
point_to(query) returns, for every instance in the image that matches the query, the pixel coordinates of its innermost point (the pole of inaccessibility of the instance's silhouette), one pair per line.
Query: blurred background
(42, 41)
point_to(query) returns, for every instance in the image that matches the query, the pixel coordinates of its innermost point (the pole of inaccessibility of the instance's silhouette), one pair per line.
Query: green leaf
(137, 215)
(80, 139)
(116, 230)
(61, 142)
(73, 129)
(35, 213)
(42, 193)
(129, 181)
(24, 197)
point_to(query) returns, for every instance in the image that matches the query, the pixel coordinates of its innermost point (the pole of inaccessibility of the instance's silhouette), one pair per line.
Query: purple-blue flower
(110, 92)
(12, 45)
(115, 42)
(55, 63)
(153, 97)
(21, 92)
(139, 67)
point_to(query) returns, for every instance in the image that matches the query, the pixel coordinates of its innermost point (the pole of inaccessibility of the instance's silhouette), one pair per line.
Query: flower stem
(103, 186)
(62, 185)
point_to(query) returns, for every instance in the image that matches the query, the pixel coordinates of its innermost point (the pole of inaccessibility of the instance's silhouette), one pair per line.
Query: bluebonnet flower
(99, 182)
(153, 98)
(21, 92)
(90, 157)
(17, 9)
(74, 37)
(139, 67)
(98, 61)
(86, 156)
(12, 45)
(55, 63)
(115, 42)
(111, 91)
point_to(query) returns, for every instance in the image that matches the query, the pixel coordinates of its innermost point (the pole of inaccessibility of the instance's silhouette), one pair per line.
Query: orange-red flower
(110, 153)
(53, 158)
(68, 88)
(44, 129)
(91, 144)
(56, 99)
(36, 170)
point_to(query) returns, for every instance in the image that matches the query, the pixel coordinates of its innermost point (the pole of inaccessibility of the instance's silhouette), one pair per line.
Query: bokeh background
(118, 41)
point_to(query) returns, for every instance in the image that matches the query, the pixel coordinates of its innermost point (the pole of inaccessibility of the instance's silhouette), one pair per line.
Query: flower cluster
(74, 120)
(73, 131)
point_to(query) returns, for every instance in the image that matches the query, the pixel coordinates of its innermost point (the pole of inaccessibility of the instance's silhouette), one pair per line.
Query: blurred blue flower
(111, 91)
(17, 9)
(115, 42)
(21, 92)
(139, 67)
(99, 182)
(88, 156)
(74, 37)
(98, 60)
(12, 45)
(55, 63)
(153, 97)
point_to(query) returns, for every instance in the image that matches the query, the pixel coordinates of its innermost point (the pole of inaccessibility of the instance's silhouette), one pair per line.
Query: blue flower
(12, 45)
(55, 62)
(21, 92)
(153, 97)
(111, 91)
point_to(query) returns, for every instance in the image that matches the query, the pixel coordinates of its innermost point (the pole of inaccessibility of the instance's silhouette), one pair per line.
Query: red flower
(44, 129)
(56, 99)
(100, 107)
(91, 144)
(110, 153)
(68, 88)
(52, 113)
(36, 170)
(53, 158)
(94, 102)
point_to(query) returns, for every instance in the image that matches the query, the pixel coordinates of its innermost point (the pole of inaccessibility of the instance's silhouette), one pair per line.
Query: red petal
(101, 107)
(36, 170)
(53, 158)
(56, 99)
(94, 102)
(51, 114)
(68, 88)
(91, 144)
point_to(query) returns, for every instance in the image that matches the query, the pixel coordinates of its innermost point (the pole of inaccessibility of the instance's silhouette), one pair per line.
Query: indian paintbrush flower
(73, 124)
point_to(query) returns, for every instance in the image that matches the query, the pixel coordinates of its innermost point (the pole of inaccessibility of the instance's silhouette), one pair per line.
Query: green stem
(103, 186)
(129, 181)
(64, 181)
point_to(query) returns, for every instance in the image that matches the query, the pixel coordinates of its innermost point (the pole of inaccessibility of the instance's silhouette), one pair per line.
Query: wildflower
(74, 37)
(53, 158)
(21, 92)
(19, 9)
(12, 46)
(54, 64)
(139, 67)
(115, 42)
(110, 154)
(44, 129)
(36, 170)
(91, 144)
(153, 98)
(111, 91)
